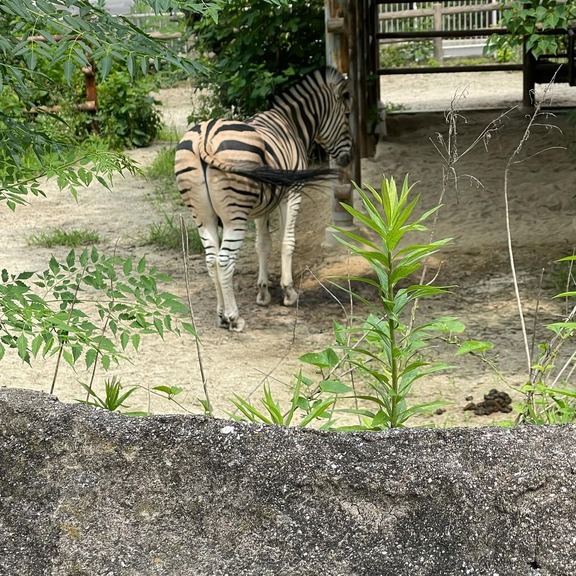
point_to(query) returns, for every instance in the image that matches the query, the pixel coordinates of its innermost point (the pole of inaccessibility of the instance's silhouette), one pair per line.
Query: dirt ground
(542, 204)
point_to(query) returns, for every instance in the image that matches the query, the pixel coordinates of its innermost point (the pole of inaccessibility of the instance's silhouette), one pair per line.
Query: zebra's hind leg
(263, 251)
(232, 239)
(212, 265)
(209, 237)
(229, 316)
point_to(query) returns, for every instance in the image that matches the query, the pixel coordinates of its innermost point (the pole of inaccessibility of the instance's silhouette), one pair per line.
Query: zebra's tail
(229, 146)
(283, 178)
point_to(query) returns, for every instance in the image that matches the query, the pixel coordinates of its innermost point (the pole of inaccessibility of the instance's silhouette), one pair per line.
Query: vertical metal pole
(338, 55)
(358, 97)
(571, 76)
(370, 81)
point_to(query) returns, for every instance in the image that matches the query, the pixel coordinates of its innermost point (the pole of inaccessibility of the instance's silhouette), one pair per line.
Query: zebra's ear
(343, 88)
(336, 79)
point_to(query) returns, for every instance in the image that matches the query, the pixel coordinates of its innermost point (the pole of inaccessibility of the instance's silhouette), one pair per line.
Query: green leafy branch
(115, 395)
(531, 23)
(91, 307)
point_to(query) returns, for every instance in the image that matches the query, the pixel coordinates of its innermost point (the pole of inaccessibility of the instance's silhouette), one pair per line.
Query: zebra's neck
(299, 109)
(283, 124)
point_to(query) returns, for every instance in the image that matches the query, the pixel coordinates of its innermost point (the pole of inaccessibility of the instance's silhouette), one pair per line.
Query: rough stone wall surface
(86, 492)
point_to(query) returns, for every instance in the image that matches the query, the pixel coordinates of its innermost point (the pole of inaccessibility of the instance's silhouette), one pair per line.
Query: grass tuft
(162, 167)
(167, 235)
(61, 237)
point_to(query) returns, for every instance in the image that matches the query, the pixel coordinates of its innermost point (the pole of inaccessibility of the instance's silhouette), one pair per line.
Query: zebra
(228, 171)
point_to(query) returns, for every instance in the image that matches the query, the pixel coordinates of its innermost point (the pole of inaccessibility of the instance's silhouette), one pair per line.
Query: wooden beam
(339, 46)
(335, 25)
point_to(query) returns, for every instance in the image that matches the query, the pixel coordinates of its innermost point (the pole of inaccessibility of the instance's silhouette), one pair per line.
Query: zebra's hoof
(263, 298)
(290, 296)
(223, 323)
(237, 325)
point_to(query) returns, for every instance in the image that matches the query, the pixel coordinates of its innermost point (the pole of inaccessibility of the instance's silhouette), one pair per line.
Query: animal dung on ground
(494, 401)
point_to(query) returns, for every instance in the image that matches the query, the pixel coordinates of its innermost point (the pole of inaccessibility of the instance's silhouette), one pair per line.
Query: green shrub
(92, 307)
(257, 48)
(127, 114)
(527, 20)
(126, 111)
(376, 361)
(408, 54)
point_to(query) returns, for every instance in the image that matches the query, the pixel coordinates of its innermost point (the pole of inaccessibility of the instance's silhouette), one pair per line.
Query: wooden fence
(428, 16)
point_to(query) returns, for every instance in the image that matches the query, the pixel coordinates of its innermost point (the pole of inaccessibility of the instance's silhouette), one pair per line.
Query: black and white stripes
(229, 171)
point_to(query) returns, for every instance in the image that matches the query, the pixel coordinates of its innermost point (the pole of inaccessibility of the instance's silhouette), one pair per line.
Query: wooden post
(91, 97)
(438, 25)
(338, 48)
(528, 78)
(368, 84)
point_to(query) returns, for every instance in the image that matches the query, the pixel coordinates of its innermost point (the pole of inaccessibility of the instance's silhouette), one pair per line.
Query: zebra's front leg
(288, 215)
(263, 251)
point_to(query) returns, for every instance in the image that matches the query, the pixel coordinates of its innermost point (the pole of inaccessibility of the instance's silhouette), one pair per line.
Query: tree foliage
(37, 36)
(529, 21)
(89, 306)
(258, 48)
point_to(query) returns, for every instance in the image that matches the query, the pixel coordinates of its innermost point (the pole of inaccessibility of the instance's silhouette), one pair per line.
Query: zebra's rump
(220, 172)
(231, 163)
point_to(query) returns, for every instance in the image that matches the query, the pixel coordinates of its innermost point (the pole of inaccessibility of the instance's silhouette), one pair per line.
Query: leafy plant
(547, 405)
(45, 72)
(30, 153)
(273, 413)
(386, 350)
(91, 307)
(417, 53)
(525, 22)
(549, 397)
(126, 112)
(371, 369)
(245, 73)
(75, 34)
(114, 395)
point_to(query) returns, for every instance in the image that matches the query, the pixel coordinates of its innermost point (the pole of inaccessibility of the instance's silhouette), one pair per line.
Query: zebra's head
(334, 129)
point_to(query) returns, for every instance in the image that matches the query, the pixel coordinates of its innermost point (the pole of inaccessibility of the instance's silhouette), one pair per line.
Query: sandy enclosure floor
(482, 90)
(542, 203)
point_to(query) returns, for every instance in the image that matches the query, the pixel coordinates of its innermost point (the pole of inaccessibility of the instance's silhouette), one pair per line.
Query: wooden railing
(438, 16)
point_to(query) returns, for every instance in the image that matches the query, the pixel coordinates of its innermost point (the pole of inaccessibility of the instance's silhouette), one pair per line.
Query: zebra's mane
(328, 75)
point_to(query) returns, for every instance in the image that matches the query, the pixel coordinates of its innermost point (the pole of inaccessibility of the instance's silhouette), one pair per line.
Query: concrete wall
(86, 492)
